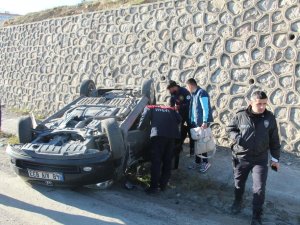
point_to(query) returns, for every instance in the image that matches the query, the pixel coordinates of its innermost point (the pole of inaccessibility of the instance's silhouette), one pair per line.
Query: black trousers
(162, 149)
(259, 171)
(176, 156)
(185, 131)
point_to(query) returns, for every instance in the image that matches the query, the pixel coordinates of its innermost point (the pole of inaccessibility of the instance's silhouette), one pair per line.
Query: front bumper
(103, 169)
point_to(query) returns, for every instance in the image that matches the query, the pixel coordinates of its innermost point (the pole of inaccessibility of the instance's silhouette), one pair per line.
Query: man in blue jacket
(200, 115)
(164, 122)
(180, 99)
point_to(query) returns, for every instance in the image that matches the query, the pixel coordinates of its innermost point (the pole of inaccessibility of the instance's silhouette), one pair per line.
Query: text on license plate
(45, 175)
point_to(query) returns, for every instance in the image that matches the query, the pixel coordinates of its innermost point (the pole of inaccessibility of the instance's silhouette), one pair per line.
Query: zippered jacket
(200, 109)
(164, 121)
(254, 135)
(182, 99)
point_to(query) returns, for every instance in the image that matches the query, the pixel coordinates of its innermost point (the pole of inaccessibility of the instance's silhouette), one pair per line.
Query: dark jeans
(161, 161)
(185, 131)
(177, 150)
(199, 160)
(259, 171)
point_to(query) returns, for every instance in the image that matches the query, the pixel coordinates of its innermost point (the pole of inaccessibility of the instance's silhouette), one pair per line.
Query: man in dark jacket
(254, 132)
(200, 115)
(180, 99)
(164, 122)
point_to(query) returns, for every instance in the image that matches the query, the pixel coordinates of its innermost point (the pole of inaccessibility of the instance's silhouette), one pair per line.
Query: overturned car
(92, 140)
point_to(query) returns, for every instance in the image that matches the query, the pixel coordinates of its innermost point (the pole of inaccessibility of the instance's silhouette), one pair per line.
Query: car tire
(25, 129)
(148, 90)
(115, 137)
(117, 145)
(87, 88)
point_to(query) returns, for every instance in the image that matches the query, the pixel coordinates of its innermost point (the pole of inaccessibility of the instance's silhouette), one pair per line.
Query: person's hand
(177, 107)
(204, 125)
(275, 164)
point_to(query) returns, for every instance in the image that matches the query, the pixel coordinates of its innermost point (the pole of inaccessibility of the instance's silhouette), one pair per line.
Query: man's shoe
(236, 207)
(256, 218)
(151, 190)
(255, 221)
(163, 188)
(204, 167)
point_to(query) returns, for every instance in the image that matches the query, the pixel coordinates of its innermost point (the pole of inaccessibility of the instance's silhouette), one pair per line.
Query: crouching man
(254, 132)
(164, 122)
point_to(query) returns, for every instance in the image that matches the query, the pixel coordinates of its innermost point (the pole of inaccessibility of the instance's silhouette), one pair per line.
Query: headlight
(87, 169)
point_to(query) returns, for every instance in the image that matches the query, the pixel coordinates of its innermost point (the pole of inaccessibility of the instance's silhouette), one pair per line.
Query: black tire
(87, 88)
(117, 145)
(115, 137)
(25, 129)
(148, 90)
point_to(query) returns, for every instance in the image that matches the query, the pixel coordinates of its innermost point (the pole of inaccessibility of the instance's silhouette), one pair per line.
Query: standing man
(200, 115)
(164, 122)
(254, 131)
(180, 99)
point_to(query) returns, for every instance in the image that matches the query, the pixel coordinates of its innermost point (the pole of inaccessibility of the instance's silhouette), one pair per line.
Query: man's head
(191, 85)
(258, 102)
(172, 87)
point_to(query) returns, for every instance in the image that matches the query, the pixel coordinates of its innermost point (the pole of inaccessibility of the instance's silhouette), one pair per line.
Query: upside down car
(90, 141)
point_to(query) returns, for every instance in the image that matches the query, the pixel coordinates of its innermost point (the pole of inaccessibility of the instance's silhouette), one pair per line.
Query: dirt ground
(84, 7)
(21, 203)
(193, 198)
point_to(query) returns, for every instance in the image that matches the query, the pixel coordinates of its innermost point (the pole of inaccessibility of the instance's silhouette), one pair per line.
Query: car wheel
(116, 142)
(25, 129)
(115, 138)
(87, 88)
(148, 90)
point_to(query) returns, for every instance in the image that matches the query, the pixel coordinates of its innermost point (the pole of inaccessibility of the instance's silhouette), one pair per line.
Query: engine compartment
(79, 130)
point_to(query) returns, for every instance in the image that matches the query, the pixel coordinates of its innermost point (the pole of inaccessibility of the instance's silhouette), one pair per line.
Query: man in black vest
(254, 132)
(164, 122)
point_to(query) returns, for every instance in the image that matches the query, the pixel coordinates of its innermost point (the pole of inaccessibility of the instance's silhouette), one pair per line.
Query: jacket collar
(196, 91)
(251, 114)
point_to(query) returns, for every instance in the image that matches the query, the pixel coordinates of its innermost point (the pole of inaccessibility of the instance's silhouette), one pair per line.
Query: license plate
(45, 175)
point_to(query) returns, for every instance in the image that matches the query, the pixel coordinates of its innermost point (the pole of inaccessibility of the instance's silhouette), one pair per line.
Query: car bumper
(73, 174)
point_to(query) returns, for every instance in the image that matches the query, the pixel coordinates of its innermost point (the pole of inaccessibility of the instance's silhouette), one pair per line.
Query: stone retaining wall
(230, 47)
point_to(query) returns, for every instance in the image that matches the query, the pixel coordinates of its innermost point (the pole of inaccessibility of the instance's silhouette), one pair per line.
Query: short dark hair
(171, 84)
(192, 81)
(259, 95)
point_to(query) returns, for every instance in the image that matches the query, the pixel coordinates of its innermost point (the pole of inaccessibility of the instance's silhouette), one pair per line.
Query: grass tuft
(11, 139)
